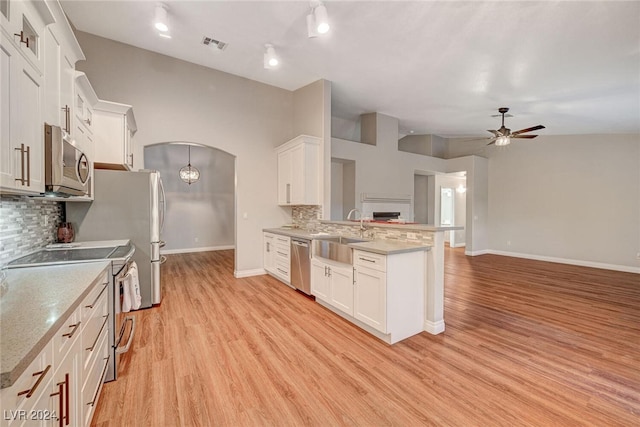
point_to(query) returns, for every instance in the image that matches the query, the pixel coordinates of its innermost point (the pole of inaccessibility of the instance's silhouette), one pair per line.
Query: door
(320, 285)
(370, 298)
(342, 288)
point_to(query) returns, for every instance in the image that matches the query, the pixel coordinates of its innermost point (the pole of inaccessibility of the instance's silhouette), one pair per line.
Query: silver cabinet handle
(28, 166)
(98, 297)
(22, 151)
(99, 333)
(288, 193)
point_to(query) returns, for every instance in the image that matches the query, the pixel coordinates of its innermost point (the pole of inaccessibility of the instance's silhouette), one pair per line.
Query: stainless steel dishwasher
(301, 265)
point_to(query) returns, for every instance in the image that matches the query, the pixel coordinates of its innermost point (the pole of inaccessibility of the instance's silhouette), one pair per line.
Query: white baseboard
(476, 253)
(434, 328)
(249, 273)
(459, 245)
(593, 264)
(189, 250)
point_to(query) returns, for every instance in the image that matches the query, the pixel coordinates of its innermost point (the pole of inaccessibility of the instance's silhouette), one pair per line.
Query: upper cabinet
(21, 105)
(299, 171)
(61, 52)
(38, 52)
(114, 126)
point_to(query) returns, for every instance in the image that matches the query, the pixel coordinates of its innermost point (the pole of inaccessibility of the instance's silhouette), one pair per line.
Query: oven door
(125, 323)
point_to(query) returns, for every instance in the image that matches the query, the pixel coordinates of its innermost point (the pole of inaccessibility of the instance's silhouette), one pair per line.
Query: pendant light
(189, 174)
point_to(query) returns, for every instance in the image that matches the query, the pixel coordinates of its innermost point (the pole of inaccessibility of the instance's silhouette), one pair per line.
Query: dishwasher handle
(300, 243)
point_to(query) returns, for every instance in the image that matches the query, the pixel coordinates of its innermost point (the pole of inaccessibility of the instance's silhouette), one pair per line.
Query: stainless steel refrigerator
(126, 205)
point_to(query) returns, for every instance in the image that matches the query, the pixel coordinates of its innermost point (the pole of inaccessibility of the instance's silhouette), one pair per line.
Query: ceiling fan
(503, 135)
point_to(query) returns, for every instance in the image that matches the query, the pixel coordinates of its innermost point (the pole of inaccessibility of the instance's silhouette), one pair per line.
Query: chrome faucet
(362, 227)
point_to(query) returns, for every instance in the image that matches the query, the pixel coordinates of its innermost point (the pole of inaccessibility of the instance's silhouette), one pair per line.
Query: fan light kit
(503, 136)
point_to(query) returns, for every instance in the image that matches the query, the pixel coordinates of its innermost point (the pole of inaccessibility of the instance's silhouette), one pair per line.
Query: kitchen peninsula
(423, 243)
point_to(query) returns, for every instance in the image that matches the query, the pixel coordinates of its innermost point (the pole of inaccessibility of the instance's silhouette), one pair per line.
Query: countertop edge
(7, 379)
(400, 249)
(405, 226)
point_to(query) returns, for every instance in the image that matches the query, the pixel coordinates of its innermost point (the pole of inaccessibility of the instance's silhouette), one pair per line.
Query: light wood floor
(527, 343)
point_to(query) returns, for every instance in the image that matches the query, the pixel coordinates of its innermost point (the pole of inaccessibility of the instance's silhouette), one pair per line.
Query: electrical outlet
(638, 255)
(196, 239)
(412, 236)
(508, 242)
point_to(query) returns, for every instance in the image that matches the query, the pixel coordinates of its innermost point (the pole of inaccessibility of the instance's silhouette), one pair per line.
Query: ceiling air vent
(217, 45)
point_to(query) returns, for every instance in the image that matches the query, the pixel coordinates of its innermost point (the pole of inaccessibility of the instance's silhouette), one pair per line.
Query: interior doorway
(201, 215)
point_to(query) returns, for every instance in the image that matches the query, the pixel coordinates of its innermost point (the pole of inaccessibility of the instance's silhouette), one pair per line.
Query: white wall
(201, 215)
(574, 197)
(178, 101)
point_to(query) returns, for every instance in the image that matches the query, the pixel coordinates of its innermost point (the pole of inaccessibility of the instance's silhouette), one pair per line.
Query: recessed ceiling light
(165, 35)
(270, 58)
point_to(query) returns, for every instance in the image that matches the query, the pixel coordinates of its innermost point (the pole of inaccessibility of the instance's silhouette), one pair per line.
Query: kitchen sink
(335, 248)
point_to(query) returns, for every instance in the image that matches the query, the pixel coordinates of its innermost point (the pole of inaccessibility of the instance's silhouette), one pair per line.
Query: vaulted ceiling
(441, 67)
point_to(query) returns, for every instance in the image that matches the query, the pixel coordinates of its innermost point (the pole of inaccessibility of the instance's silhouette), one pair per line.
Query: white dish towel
(131, 299)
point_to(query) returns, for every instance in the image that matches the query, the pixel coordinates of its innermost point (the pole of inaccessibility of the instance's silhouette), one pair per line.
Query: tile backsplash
(22, 225)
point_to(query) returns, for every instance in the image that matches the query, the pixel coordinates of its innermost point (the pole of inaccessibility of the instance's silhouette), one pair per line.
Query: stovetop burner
(53, 256)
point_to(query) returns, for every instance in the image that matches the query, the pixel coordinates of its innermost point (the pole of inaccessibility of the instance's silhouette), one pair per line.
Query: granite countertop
(35, 306)
(379, 246)
(399, 225)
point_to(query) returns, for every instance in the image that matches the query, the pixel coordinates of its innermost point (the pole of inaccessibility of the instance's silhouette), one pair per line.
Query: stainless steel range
(120, 253)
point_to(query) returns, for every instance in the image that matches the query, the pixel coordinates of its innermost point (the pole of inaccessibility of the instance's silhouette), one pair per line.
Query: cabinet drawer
(93, 354)
(96, 327)
(66, 336)
(282, 268)
(30, 384)
(370, 260)
(285, 256)
(94, 300)
(92, 388)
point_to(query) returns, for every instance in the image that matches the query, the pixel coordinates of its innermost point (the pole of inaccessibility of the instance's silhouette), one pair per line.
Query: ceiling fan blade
(495, 132)
(527, 130)
(524, 136)
(493, 142)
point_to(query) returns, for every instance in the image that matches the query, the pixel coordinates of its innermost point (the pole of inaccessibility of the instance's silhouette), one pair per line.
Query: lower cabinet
(371, 297)
(332, 283)
(52, 391)
(277, 256)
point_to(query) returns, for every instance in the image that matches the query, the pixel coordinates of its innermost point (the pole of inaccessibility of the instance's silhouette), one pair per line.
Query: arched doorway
(200, 216)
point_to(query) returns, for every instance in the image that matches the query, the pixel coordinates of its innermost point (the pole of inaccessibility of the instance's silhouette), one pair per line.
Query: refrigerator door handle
(164, 205)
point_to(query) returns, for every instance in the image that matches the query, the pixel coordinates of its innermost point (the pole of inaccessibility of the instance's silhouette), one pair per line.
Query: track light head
(317, 20)
(161, 19)
(271, 60)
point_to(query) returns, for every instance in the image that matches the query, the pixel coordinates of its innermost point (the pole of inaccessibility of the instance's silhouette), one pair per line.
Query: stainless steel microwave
(67, 169)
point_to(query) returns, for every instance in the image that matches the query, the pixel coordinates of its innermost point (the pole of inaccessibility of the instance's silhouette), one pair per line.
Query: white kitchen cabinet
(21, 126)
(282, 258)
(332, 282)
(299, 171)
(57, 385)
(113, 126)
(24, 25)
(61, 52)
(269, 251)
(389, 293)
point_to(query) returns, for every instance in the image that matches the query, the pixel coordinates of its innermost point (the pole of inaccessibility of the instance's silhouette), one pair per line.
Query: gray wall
(174, 100)
(199, 216)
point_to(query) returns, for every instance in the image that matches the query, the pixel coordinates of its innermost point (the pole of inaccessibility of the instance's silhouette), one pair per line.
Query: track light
(270, 58)
(161, 21)
(318, 21)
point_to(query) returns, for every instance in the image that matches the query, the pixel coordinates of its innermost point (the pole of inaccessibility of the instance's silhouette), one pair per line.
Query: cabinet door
(342, 288)
(31, 128)
(8, 157)
(52, 68)
(65, 396)
(297, 175)
(67, 93)
(320, 285)
(269, 251)
(370, 299)
(284, 177)
(22, 130)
